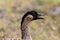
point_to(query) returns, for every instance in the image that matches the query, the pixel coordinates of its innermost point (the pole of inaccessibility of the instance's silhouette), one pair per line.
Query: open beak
(40, 16)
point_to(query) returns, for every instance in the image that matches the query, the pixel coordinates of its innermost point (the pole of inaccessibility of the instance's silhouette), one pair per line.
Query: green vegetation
(47, 29)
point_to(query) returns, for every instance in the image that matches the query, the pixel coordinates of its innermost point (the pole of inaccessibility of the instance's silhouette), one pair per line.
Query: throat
(25, 29)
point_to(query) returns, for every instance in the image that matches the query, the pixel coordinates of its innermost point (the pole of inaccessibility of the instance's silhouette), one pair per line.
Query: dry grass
(13, 10)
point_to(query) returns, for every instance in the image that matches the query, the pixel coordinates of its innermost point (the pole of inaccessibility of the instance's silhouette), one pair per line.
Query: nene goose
(27, 18)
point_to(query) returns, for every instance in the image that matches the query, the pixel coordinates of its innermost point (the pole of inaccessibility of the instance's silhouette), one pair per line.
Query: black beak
(40, 16)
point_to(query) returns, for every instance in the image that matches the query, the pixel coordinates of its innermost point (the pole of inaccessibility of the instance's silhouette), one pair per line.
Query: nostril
(41, 14)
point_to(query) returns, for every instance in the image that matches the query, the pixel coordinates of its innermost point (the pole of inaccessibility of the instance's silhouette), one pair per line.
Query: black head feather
(33, 13)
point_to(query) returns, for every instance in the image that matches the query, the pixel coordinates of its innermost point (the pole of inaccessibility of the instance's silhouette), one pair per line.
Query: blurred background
(12, 11)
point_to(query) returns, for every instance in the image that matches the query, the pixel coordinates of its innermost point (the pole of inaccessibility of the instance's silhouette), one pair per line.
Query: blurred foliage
(47, 29)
